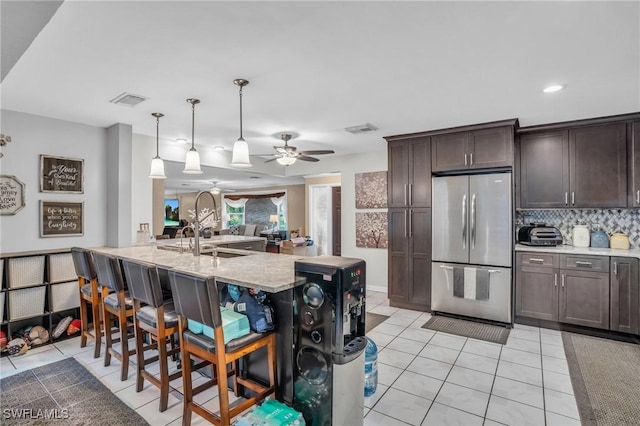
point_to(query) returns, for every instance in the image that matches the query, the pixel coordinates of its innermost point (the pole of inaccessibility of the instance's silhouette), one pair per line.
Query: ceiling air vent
(128, 99)
(363, 128)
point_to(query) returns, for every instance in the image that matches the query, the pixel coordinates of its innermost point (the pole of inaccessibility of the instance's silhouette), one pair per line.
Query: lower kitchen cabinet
(410, 258)
(537, 292)
(624, 307)
(584, 298)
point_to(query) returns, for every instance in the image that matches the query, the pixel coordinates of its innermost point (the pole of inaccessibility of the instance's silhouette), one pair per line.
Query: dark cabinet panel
(635, 164)
(398, 174)
(398, 254)
(537, 292)
(420, 255)
(449, 152)
(491, 148)
(409, 183)
(584, 298)
(624, 308)
(544, 170)
(598, 166)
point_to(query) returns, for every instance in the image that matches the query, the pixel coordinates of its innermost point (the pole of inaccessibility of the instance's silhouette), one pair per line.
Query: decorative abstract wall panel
(371, 230)
(371, 190)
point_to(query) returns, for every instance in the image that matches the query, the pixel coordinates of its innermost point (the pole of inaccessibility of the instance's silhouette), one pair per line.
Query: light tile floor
(425, 377)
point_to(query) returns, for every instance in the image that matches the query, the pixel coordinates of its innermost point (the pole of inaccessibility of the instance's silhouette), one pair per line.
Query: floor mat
(62, 393)
(604, 374)
(372, 320)
(474, 330)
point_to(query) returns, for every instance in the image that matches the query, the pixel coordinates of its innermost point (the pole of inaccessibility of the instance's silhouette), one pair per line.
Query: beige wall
(333, 180)
(158, 206)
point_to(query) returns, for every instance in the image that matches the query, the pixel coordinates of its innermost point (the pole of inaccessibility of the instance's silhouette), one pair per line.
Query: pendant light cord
(158, 137)
(193, 120)
(241, 138)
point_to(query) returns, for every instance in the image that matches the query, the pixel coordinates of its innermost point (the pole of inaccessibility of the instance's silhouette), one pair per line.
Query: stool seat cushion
(112, 301)
(209, 345)
(86, 290)
(147, 315)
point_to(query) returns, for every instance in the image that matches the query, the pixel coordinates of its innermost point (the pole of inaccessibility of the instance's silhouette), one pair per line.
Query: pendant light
(157, 165)
(192, 162)
(240, 156)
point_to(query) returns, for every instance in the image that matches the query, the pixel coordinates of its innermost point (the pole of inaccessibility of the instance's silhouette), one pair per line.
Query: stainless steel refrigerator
(472, 246)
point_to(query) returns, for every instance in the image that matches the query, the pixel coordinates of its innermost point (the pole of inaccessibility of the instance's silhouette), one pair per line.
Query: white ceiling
(318, 67)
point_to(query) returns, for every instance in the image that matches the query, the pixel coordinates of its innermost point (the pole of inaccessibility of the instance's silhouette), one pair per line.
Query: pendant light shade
(192, 162)
(157, 165)
(286, 161)
(240, 155)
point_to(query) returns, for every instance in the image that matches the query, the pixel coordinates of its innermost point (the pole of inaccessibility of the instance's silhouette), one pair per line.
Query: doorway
(322, 218)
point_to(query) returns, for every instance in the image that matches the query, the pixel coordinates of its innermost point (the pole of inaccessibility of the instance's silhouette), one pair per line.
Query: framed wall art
(61, 174)
(12, 192)
(371, 230)
(371, 190)
(60, 219)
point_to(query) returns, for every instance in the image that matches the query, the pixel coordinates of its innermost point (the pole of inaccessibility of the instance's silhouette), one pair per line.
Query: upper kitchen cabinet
(635, 164)
(481, 148)
(580, 164)
(409, 182)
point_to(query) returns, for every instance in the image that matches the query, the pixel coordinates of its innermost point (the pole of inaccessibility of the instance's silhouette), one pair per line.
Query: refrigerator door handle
(464, 221)
(473, 221)
(450, 268)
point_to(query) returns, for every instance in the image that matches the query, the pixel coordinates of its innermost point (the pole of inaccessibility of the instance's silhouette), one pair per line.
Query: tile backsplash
(626, 221)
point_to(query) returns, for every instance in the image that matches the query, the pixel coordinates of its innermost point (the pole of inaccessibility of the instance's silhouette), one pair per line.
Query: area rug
(62, 393)
(474, 330)
(605, 375)
(372, 320)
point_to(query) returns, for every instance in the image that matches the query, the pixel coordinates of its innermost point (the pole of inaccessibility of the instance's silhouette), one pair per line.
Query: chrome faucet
(196, 222)
(182, 230)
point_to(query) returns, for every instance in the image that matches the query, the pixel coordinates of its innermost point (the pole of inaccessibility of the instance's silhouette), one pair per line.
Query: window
(234, 212)
(171, 212)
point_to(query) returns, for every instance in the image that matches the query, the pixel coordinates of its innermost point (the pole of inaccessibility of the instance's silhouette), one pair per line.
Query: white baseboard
(377, 288)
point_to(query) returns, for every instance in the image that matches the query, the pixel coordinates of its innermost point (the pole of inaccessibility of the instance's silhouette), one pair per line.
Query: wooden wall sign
(58, 219)
(11, 195)
(62, 175)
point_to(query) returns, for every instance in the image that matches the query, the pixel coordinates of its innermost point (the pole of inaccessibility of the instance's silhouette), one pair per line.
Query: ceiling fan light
(240, 156)
(286, 161)
(215, 190)
(192, 163)
(157, 169)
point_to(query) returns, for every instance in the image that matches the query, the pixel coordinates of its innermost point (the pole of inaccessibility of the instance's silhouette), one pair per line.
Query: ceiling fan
(215, 189)
(288, 154)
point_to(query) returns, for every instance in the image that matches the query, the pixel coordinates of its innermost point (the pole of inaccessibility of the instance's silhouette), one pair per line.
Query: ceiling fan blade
(262, 155)
(273, 159)
(305, 158)
(318, 152)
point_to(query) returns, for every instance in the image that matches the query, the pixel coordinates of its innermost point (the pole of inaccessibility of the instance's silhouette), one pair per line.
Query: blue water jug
(370, 368)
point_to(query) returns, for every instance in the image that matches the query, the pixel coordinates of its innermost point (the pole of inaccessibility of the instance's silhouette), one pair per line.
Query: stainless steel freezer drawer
(496, 308)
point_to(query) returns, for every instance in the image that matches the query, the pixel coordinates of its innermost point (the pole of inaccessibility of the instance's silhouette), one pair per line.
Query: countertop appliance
(472, 246)
(539, 234)
(329, 342)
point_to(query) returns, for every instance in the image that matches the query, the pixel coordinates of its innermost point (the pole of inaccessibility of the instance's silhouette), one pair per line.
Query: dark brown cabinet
(624, 307)
(410, 258)
(409, 183)
(635, 164)
(582, 167)
(475, 149)
(566, 288)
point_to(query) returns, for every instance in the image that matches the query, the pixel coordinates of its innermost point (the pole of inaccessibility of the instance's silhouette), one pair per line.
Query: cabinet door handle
(450, 268)
(638, 196)
(465, 159)
(405, 195)
(555, 279)
(464, 221)
(566, 198)
(615, 268)
(405, 223)
(573, 198)
(410, 224)
(536, 260)
(582, 263)
(410, 194)
(471, 159)
(562, 280)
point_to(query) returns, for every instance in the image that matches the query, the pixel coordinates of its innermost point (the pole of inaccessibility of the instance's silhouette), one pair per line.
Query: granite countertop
(269, 272)
(215, 239)
(565, 249)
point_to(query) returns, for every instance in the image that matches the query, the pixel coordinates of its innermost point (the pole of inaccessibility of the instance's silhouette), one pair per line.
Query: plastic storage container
(370, 368)
(581, 236)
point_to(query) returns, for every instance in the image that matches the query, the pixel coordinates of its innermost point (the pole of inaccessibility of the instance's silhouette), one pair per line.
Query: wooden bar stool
(155, 316)
(197, 299)
(119, 306)
(90, 295)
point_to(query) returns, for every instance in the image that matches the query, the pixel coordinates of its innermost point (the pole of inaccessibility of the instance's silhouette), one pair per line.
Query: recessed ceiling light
(554, 88)
(181, 141)
(218, 148)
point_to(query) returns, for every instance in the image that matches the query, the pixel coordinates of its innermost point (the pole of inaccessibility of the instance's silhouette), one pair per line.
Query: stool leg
(164, 373)
(139, 357)
(106, 320)
(187, 386)
(83, 316)
(122, 322)
(97, 329)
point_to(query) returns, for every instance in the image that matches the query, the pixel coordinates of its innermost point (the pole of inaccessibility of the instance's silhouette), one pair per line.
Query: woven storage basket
(26, 303)
(64, 296)
(26, 271)
(61, 268)
(2, 306)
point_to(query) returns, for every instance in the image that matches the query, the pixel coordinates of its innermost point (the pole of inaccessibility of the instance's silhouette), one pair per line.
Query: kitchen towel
(469, 283)
(482, 284)
(458, 282)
